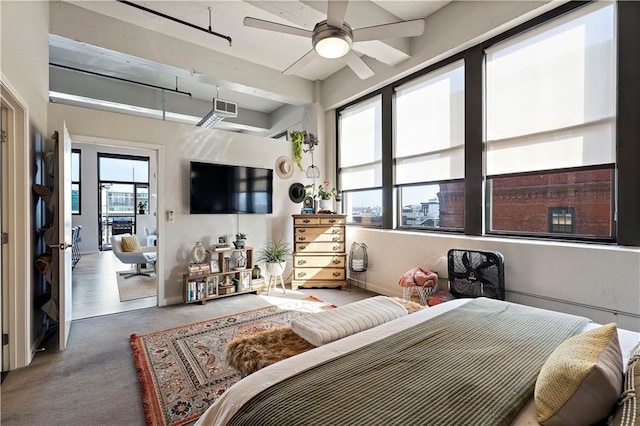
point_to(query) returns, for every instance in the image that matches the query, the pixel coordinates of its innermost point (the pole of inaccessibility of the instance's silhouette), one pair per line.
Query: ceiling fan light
(332, 47)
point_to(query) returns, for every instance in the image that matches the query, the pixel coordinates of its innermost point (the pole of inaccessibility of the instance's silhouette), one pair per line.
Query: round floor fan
(333, 38)
(475, 273)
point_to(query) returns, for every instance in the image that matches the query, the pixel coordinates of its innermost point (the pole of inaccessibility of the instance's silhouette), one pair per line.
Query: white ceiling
(269, 49)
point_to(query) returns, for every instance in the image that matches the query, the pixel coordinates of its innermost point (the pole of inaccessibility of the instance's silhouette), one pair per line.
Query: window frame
(385, 172)
(78, 182)
(625, 227)
(443, 68)
(561, 212)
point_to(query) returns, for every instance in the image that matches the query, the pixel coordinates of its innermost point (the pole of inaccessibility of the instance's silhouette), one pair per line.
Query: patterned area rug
(182, 370)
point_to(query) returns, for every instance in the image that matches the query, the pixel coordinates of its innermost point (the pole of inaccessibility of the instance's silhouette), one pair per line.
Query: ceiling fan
(333, 38)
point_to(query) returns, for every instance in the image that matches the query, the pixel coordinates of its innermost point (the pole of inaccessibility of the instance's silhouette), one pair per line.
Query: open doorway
(120, 185)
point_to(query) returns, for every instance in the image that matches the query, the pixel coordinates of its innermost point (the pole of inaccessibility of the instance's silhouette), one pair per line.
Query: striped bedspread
(476, 364)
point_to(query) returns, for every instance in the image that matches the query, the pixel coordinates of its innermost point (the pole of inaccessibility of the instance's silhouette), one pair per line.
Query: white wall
(24, 57)
(177, 144)
(597, 277)
(89, 197)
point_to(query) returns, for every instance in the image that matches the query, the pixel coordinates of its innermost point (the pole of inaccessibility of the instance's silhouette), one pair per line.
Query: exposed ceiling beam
(84, 25)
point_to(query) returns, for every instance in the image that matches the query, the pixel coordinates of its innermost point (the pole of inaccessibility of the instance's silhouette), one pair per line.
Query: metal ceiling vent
(221, 110)
(225, 108)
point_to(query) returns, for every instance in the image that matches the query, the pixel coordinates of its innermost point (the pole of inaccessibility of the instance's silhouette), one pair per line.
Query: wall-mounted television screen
(224, 189)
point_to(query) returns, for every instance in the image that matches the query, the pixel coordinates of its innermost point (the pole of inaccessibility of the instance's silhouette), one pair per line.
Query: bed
(410, 400)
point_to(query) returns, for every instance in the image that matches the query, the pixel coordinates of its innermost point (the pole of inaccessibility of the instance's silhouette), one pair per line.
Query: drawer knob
(336, 274)
(336, 261)
(302, 230)
(302, 247)
(335, 231)
(332, 221)
(336, 248)
(305, 221)
(302, 262)
(336, 239)
(302, 238)
(302, 274)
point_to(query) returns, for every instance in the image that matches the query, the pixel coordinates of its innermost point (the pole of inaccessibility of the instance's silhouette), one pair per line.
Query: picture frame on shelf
(214, 265)
(245, 280)
(222, 241)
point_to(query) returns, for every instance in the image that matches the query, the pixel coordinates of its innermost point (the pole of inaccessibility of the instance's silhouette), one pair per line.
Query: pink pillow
(418, 276)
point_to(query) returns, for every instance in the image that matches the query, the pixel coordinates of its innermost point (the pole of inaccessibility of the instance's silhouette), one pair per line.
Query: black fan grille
(475, 274)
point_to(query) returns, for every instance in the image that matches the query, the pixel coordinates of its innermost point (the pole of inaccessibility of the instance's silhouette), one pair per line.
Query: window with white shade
(429, 149)
(360, 161)
(550, 125)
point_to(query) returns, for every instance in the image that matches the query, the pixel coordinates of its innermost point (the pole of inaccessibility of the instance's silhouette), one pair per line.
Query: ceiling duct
(221, 110)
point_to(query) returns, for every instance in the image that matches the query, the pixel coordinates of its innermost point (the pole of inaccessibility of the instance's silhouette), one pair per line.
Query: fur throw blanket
(418, 277)
(249, 354)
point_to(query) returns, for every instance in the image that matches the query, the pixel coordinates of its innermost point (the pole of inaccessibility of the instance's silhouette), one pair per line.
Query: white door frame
(160, 199)
(17, 309)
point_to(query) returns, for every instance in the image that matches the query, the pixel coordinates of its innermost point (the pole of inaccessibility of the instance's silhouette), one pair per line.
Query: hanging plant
(297, 140)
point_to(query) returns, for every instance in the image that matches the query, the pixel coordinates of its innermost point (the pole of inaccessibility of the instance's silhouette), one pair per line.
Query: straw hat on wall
(284, 167)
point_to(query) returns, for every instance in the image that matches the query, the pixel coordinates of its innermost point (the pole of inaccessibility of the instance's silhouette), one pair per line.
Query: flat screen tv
(225, 189)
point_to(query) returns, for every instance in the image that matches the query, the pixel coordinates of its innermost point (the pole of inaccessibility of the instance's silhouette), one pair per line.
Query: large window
(75, 181)
(124, 194)
(360, 161)
(530, 133)
(550, 129)
(429, 149)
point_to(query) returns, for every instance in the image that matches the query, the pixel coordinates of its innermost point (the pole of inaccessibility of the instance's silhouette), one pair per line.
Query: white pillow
(326, 326)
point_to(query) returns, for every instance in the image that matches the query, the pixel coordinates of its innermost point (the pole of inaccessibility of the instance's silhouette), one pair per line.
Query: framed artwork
(215, 265)
(212, 286)
(245, 280)
(222, 241)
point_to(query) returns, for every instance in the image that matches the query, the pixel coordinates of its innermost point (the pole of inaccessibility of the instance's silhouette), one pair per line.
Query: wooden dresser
(319, 256)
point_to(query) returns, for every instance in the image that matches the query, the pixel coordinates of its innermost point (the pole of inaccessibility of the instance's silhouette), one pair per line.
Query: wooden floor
(95, 289)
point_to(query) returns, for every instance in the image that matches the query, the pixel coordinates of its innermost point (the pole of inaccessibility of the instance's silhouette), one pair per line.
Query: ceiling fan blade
(273, 26)
(387, 31)
(336, 11)
(300, 63)
(357, 65)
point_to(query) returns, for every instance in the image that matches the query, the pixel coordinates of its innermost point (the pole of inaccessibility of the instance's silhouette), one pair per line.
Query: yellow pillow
(130, 244)
(581, 380)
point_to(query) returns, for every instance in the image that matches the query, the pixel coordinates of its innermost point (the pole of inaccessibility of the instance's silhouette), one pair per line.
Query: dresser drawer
(320, 247)
(318, 274)
(319, 261)
(319, 230)
(306, 221)
(331, 221)
(317, 238)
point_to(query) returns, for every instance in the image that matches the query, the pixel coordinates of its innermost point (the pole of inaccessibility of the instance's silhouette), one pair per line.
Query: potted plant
(274, 255)
(325, 194)
(240, 240)
(142, 207)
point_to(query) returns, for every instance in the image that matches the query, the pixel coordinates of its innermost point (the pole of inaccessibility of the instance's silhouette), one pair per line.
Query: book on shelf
(199, 268)
(196, 290)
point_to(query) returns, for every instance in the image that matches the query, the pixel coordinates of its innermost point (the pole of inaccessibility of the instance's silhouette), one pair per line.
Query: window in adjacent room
(429, 149)
(550, 135)
(75, 181)
(360, 161)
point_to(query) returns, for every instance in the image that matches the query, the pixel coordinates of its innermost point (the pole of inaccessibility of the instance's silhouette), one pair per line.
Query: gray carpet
(94, 381)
